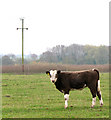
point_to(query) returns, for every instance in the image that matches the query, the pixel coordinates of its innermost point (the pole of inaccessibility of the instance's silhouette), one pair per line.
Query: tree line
(11, 59)
(72, 54)
(77, 54)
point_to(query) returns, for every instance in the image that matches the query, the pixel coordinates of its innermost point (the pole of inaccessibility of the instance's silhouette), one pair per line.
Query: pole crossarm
(22, 28)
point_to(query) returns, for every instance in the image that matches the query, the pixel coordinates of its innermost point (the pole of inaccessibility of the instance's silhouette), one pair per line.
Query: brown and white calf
(66, 81)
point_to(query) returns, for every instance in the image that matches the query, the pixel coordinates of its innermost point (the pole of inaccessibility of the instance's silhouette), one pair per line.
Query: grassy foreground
(34, 96)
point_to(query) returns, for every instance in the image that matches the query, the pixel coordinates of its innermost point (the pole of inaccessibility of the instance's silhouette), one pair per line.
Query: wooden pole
(22, 43)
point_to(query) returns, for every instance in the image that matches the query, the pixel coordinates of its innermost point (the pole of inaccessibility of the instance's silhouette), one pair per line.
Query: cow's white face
(53, 75)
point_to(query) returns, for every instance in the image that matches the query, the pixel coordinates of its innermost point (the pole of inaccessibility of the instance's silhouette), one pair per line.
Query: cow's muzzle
(53, 81)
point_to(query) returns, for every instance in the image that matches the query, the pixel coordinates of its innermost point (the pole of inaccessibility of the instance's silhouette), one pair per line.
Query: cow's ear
(58, 71)
(47, 72)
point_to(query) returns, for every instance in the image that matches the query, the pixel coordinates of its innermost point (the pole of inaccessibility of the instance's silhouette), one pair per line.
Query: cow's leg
(66, 97)
(93, 91)
(99, 93)
(93, 102)
(100, 98)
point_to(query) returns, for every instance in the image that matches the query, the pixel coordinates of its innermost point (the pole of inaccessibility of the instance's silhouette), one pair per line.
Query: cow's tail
(98, 80)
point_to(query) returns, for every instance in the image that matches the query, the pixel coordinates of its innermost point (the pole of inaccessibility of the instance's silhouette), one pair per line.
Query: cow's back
(76, 80)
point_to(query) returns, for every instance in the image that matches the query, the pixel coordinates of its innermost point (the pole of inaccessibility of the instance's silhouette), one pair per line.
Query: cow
(66, 81)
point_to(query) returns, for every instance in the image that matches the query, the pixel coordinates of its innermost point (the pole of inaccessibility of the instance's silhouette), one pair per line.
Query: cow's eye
(56, 76)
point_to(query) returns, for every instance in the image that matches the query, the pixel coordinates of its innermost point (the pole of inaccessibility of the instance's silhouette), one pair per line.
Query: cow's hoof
(101, 104)
(92, 106)
(65, 106)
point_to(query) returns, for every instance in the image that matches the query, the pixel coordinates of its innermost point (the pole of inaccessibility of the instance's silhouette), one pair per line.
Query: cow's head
(53, 75)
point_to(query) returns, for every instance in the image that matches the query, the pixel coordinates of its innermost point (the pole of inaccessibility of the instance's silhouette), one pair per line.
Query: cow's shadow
(77, 108)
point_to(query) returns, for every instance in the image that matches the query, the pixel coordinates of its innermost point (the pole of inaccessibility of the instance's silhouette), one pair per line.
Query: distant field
(34, 96)
(41, 67)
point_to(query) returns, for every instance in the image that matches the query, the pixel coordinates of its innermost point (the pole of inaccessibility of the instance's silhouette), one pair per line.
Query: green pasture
(34, 96)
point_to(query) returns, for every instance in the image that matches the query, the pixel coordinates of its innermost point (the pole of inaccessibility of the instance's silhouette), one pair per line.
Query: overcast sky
(51, 23)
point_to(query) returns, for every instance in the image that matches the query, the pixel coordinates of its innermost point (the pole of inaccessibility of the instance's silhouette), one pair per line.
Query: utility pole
(22, 43)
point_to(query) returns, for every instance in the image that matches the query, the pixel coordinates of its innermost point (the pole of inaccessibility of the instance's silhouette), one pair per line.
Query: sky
(51, 23)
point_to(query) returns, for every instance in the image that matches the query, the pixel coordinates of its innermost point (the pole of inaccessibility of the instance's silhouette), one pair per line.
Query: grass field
(34, 96)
